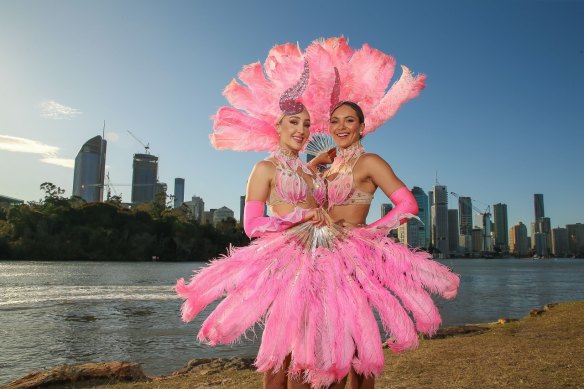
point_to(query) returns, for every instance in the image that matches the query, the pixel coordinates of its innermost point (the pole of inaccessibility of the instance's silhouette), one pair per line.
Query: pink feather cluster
(365, 74)
(249, 124)
(317, 303)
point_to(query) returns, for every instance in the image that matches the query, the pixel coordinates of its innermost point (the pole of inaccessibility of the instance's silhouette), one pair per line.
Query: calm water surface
(73, 312)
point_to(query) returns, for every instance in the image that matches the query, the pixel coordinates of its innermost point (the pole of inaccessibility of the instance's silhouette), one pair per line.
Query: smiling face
(345, 126)
(294, 131)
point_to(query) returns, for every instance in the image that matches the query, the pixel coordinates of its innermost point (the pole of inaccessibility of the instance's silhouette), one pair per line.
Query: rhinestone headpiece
(336, 91)
(289, 103)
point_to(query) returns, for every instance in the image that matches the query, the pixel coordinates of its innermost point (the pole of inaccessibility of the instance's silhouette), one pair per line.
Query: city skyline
(67, 66)
(538, 198)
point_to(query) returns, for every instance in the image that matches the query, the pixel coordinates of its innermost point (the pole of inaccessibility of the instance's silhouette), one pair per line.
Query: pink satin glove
(405, 206)
(256, 224)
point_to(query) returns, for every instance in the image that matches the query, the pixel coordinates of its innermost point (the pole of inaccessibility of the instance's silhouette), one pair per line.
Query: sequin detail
(336, 91)
(289, 103)
(290, 186)
(341, 190)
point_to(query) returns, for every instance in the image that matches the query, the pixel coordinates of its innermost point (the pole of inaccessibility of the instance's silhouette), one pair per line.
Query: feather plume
(234, 130)
(405, 89)
(365, 75)
(256, 99)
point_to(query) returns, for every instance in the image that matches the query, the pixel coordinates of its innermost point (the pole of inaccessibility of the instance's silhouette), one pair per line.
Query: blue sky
(502, 116)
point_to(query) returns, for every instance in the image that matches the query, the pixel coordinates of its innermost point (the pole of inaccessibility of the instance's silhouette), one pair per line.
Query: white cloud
(50, 109)
(68, 163)
(23, 145)
(112, 136)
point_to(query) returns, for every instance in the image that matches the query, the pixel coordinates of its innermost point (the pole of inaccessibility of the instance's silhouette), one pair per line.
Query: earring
(361, 133)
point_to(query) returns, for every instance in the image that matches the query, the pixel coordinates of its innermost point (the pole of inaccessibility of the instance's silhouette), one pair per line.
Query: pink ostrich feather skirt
(315, 290)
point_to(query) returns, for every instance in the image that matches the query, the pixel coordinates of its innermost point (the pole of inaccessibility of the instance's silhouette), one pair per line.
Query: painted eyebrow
(346, 117)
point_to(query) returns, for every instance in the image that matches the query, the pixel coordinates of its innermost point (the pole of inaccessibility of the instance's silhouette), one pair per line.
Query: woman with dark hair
(394, 280)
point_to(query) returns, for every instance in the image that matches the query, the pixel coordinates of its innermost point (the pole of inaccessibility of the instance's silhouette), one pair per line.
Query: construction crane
(146, 146)
(107, 184)
(487, 210)
(110, 187)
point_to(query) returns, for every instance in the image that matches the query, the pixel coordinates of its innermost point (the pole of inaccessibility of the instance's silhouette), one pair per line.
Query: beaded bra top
(341, 188)
(290, 186)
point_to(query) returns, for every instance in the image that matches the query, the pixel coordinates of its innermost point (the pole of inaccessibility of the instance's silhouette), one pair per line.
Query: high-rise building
(208, 216)
(160, 191)
(543, 226)
(221, 214)
(179, 192)
(144, 178)
(385, 208)
(519, 243)
(483, 221)
(197, 208)
(541, 244)
(453, 235)
(10, 201)
(409, 233)
(560, 245)
(424, 215)
(89, 172)
(430, 221)
(241, 208)
(413, 233)
(440, 220)
(465, 215)
(538, 206)
(477, 240)
(576, 238)
(465, 223)
(501, 230)
(546, 227)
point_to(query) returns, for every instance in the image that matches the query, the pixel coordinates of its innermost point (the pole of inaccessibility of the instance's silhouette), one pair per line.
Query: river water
(74, 312)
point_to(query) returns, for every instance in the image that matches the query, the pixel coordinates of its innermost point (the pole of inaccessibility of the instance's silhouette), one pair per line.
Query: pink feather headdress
(362, 76)
(269, 91)
(266, 91)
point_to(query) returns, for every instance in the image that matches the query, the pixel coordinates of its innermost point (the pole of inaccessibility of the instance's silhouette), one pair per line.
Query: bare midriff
(351, 213)
(283, 209)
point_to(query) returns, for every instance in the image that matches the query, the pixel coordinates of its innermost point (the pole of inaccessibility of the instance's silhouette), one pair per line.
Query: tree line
(60, 228)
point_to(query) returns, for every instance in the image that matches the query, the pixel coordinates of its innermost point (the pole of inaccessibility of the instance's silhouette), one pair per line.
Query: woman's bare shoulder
(371, 159)
(264, 167)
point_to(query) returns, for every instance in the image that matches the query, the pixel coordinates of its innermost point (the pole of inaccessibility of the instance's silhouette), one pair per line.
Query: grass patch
(545, 351)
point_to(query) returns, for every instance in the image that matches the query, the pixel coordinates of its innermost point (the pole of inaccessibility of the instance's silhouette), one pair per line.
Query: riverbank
(545, 349)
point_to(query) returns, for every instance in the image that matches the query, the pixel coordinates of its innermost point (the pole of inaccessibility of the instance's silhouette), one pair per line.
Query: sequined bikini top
(341, 188)
(290, 186)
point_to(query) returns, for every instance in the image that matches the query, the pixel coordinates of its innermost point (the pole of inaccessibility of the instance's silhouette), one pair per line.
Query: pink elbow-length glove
(256, 224)
(405, 207)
